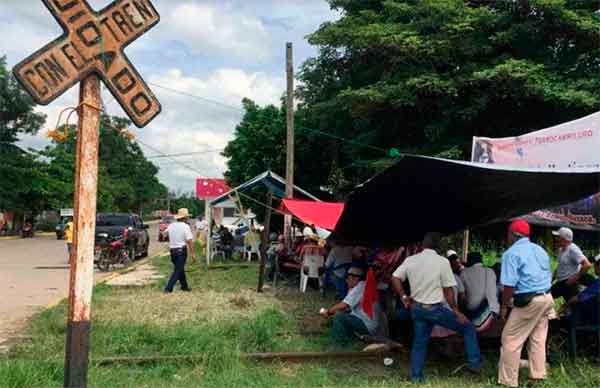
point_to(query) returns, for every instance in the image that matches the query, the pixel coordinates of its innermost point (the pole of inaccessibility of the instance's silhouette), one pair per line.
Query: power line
(238, 109)
(200, 98)
(186, 153)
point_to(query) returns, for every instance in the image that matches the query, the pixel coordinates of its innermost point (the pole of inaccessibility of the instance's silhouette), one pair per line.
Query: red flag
(370, 294)
(207, 188)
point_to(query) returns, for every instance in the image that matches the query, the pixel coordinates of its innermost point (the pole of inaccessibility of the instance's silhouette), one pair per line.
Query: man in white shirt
(481, 292)
(431, 282)
(572, 267)
(180, 242)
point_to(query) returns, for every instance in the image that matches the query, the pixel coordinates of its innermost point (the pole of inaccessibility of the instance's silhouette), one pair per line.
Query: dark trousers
(424, 319)
(345, 326)
(178, 258)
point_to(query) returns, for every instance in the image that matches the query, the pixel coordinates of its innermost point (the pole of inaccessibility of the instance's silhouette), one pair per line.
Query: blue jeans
(423, 320)
(178, 258)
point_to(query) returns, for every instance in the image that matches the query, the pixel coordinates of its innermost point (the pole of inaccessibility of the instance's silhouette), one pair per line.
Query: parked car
(128, 227)
(162, 226)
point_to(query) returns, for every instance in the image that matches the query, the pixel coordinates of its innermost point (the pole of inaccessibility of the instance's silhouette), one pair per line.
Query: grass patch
(220, 319)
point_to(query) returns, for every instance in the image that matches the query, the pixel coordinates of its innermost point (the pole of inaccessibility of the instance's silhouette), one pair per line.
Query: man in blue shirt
(526, 278)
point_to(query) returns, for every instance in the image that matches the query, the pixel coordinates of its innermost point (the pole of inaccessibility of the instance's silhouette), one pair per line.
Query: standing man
(526, 278)
(431, 283)
(180, 242)
(69, 236)
(572, 267)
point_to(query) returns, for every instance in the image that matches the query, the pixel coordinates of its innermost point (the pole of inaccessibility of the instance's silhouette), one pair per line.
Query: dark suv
(129, 227)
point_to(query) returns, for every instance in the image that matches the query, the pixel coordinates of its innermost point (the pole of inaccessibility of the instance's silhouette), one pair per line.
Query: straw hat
(182, 213)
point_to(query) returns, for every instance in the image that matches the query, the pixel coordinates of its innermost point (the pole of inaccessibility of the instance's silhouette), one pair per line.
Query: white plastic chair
(311, 265)
(254, 249)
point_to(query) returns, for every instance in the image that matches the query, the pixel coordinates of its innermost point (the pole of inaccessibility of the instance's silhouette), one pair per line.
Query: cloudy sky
(222, 50)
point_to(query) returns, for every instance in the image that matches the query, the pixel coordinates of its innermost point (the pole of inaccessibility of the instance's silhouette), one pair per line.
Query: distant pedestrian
(180, 242)
(526, 279)
(69, 236)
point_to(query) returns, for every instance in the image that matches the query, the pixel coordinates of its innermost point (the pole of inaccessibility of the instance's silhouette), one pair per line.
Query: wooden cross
(93, 42)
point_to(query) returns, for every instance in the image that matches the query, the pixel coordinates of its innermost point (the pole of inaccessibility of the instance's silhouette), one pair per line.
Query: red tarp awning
(322, 214)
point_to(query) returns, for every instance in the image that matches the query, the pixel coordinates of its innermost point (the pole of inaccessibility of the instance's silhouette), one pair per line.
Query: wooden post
(465, 247)
(208, 218)
(265, 242)
(82, 255)
(289, 166)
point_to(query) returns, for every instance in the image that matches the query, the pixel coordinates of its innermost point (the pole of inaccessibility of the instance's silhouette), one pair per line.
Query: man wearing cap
(180, 242)
(349, 317)
(432, 283)
(572, 266)
(526, 278)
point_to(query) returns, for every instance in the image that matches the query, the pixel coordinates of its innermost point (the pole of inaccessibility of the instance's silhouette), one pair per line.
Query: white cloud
(208, 29)
(223, 50)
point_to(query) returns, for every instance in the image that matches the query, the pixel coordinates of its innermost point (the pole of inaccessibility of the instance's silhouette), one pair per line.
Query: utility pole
(82, 254)
(289, 166)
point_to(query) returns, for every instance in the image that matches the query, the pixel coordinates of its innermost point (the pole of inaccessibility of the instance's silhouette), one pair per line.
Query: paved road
(33, 274)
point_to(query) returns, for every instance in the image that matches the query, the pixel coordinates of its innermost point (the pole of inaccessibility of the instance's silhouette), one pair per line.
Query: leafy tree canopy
(127, 181)
(424, 76)
(21, 180)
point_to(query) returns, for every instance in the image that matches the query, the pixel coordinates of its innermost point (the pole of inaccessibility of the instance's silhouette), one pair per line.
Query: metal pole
(265, 242)
(289, 167)
(82, 256)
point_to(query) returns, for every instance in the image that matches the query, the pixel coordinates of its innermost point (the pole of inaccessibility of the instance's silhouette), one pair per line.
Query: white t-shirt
(428, 274)
(179, 233)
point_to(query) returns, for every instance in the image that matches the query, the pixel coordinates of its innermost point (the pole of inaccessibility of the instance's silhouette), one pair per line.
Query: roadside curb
(7, 238)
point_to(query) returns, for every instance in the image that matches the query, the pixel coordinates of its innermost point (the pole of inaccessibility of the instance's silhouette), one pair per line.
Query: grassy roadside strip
(219, 320)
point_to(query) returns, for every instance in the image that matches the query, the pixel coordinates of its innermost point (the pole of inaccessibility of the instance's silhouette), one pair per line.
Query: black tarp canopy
(422, 194)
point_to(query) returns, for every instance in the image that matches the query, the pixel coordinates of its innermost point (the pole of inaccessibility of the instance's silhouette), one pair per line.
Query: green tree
(127, 181)
(424, 76)
(22, 181)
(259, 144)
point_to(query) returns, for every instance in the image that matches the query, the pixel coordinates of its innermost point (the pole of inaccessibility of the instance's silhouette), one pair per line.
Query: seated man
(337, 264)
(586, 302)
(481, 296)
(349, 316)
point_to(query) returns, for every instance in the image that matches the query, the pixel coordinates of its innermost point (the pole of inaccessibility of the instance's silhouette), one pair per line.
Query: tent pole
(264, 242)
(465, 247)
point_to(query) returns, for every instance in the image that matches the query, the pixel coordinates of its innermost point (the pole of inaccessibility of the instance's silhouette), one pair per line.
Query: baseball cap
(451, 252)
(519, 227)
(596, 259)
(565, 233)
(356, 272)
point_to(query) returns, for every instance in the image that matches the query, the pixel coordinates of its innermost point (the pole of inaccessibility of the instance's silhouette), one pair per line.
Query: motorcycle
(27, 230)
(110, 251)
